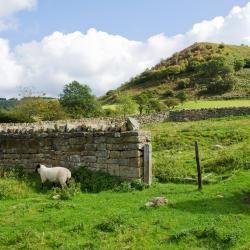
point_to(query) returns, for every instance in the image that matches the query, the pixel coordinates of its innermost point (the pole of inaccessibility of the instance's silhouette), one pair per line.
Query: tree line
(76, 101)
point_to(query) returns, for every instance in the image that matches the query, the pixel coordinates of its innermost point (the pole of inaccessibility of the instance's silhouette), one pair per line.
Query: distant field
(111, 106)
(214, 104)
(204, 104)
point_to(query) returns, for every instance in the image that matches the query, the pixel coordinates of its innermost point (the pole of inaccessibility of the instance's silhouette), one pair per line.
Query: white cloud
(102, 60)
(10, 7)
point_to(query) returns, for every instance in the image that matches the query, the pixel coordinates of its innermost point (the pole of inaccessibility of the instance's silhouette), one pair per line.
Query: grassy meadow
(199, 104)
(216, 218)
(214, 104)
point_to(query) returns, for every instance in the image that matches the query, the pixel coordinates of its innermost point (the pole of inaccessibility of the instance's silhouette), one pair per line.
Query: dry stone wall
(192, 114)
(112, 149)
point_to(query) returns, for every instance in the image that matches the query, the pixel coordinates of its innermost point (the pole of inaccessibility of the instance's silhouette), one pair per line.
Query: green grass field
(216, 218)
(214, 104)
(203, 104)
(173, 147)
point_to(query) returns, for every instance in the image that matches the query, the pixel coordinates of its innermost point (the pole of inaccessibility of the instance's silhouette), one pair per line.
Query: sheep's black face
(37, 167)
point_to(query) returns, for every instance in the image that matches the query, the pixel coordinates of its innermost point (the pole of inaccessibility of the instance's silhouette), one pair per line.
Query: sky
(45, 44)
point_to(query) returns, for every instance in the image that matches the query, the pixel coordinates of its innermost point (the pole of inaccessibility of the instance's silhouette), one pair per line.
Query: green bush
(226, 162)
(95, 181)
(183, 83)
(220, 85)
(11, 117)
(68, 192)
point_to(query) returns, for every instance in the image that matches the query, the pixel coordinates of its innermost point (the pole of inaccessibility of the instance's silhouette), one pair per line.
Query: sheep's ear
(37, 167)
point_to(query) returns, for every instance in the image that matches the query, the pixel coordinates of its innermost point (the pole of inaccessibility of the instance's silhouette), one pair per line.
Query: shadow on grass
(234, 204)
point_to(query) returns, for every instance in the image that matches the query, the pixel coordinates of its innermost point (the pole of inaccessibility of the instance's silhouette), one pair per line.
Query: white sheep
(55, 175)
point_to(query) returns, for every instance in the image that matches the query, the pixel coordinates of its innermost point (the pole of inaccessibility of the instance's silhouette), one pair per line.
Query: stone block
(101, 139)
(102, 160)
(88, 159)
(136, 162)
(102, 154)
(75, 158)
(128, 172)
(101, 146)
(132, 124)
(115, 154)
(131, 154)
(90, 147)
(113, 169)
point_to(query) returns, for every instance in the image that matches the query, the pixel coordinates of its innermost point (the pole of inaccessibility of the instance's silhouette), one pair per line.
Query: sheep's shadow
(238, 203)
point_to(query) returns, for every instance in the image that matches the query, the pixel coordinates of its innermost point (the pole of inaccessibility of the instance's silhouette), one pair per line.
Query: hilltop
(203, 70)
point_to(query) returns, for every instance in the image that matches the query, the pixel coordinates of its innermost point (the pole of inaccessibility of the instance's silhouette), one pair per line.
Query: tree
(239, 64)
(78, 101)
(218, 75)
(220, 85)
(181, 96)
(147, 102)
(126, 105)
(217, 66)
(183, 83)
(171, 102)
(32, 109)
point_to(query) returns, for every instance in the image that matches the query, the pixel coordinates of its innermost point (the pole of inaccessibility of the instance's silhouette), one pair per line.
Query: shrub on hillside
(219, 85)
(171, 102)
(239, 64)
(10, 117)
(183, 83)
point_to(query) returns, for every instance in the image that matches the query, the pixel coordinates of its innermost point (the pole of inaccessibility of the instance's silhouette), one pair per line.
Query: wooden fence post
(199, 173)
(148, 164)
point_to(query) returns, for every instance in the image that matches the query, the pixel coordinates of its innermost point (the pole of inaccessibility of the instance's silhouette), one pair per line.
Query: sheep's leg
(67, 182)
(62, 181)
(42, 186)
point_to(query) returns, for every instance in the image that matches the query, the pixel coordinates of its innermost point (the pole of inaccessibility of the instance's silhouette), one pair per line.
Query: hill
(203, 70)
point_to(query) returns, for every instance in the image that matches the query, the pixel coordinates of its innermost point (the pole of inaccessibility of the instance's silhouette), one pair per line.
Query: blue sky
(134, 19)
(45, 44)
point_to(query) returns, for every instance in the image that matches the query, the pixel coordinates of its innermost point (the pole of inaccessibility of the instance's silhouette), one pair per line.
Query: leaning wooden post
(199, 173)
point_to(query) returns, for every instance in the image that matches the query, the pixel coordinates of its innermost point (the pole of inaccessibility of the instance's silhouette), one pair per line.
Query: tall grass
(173, 147)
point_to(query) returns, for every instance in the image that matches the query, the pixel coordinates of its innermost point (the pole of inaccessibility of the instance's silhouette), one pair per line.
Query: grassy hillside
(173, 147)
(186, 71)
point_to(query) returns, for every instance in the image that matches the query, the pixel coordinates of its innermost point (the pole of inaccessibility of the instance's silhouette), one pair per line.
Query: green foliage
(247, 63)
(209, 236)
(217, 66)
(171, 102)
(183, 83)
(7, 104)
(10, 117)
(194, 65)
(182, 96)
(68, 192)
(222, 46)
(30, 109)
(147, 102)
(126, 105)
(239, 64)
(219, 85)
(216, 218)
(95, 182)
(173, 147)
(204, 64)
(78, 102)
(111, 224)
